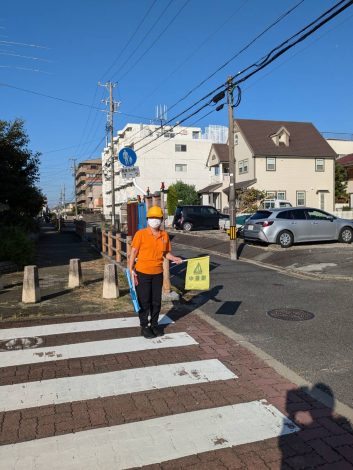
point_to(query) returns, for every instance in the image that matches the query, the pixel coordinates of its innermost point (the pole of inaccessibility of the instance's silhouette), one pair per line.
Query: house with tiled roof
(288, 160)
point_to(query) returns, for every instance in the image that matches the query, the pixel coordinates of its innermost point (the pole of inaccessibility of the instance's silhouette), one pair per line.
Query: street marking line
(88, 387)
(93, 348)
(75, 327)
(151, 441)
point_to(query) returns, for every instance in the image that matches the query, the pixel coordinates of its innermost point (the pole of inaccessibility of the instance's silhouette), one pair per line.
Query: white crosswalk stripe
(75, 327)
(150, 441)
(93, 348)
(133, 444)
(87, 387)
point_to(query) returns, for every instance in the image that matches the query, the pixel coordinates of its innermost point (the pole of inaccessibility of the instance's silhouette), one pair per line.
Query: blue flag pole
(133, 293)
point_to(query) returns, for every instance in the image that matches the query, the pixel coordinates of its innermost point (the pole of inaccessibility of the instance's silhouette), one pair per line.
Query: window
(300, 198)
(260, 215)
(180, 167)
(319, 164)
(299, 214)
(93, 167)
(281, 195)
(236, 140)
(271, 194)
(180, 148)
(169, 135)
(315, 214)
(207, 211)
(195, 134)
(216, 170)
(243, 166)
(284, 215)
(270, 164)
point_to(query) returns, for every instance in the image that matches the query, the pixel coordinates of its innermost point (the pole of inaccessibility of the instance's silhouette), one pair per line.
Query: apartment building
(163, 155)
(89, 186)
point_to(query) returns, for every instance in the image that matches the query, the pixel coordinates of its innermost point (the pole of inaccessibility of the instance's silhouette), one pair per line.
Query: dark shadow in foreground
(321, 431)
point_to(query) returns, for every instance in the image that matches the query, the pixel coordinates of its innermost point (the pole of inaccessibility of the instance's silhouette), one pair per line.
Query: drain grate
(291, 314)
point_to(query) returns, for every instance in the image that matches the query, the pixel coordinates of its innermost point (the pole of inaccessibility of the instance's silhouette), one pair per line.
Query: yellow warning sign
(198, 274)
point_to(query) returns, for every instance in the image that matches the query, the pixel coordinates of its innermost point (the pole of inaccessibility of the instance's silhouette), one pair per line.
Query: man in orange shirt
(150, 245)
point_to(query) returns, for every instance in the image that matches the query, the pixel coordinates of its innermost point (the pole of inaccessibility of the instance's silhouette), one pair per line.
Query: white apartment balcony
(223, 178)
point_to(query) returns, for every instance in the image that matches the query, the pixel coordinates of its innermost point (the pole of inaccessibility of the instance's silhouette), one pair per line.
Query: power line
(64, 100)
(130, 39)
(280, 18)
(267, 59)
(146, 35)
(229, 18)
(221, 67)
(24, 44)
(157, 38)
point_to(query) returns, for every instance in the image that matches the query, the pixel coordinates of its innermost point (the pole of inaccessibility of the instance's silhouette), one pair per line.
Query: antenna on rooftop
(161, 113)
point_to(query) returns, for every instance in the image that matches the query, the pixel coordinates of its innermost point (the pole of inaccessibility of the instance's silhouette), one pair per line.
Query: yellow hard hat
(155, 212)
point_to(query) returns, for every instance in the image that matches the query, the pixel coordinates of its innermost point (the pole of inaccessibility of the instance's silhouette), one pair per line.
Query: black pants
(149, 294)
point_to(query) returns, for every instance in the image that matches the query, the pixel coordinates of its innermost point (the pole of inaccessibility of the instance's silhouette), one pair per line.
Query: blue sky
(83, 39)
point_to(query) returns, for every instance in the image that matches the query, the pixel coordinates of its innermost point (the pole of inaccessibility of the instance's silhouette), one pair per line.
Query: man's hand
(176, 260)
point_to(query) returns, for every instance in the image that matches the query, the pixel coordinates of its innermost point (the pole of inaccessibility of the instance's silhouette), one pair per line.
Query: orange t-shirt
(150, 250)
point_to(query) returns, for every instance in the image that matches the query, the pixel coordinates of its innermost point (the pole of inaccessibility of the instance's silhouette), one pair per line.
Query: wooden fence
(117, 246)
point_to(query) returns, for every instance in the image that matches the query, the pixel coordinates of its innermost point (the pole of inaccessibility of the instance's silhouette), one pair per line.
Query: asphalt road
(319, 350)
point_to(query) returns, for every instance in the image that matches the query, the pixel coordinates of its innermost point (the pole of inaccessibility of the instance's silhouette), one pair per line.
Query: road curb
(288, 272)
(339, 408)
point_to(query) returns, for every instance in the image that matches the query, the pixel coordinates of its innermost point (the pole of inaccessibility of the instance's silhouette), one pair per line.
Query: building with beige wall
(89, 185)
(287, 160)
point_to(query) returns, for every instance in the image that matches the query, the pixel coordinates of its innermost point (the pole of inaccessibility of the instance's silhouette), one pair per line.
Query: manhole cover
(291, 314)
(20, 343)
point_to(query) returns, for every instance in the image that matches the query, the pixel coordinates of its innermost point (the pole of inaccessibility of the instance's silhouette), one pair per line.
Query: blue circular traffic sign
(127, 157)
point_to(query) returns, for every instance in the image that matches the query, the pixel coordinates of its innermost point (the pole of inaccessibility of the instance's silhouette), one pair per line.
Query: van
(197, 217)
(275, 204)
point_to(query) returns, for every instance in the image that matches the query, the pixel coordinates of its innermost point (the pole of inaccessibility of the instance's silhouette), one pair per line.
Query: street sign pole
(233, 248)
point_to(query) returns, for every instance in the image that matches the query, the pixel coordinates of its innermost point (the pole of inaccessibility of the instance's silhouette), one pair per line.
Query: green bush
(15, 246)
(172, 200)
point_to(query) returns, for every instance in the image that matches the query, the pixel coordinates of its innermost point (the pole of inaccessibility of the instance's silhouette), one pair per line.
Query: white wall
(157, 161)
(341, 147)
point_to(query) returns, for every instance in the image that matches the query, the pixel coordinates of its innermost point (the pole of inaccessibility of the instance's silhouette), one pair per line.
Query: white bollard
(75, 273)
(110, 283)
(30, 290)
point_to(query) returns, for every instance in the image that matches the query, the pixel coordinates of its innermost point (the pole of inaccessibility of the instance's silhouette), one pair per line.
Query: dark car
(197, 217)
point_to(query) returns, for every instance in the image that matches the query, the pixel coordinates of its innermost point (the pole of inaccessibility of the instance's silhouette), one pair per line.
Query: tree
(186, 193)
(19, 169)
(249, 199)
(340, 183)
(172, 200)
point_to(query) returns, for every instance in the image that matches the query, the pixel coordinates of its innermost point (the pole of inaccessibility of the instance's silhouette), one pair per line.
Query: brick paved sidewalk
(324, 440)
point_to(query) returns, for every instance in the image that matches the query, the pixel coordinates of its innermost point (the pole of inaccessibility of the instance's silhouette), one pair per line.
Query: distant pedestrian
(150, 245)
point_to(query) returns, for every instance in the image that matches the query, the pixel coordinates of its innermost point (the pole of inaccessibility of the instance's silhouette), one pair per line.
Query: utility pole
(74, 170)
(113, 105)
(233, 247)
(64, 202)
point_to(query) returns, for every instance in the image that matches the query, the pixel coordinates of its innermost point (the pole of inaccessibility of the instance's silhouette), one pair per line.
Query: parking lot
(319, 260)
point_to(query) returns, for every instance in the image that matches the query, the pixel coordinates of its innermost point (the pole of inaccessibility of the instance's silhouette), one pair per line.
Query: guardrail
(116, 246)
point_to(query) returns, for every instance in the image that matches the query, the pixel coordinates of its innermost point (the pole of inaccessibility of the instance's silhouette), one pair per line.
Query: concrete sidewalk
(54, 251)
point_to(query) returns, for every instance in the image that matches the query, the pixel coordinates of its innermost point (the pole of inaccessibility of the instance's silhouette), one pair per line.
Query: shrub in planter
(15, 246)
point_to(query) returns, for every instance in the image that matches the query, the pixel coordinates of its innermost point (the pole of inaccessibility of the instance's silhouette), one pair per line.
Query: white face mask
(154, 223)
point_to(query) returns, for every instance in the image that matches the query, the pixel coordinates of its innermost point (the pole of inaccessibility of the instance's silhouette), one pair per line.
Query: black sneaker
(146, 332)
(157, 330)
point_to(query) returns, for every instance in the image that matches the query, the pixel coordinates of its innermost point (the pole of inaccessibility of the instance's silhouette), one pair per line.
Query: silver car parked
(296, 224)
